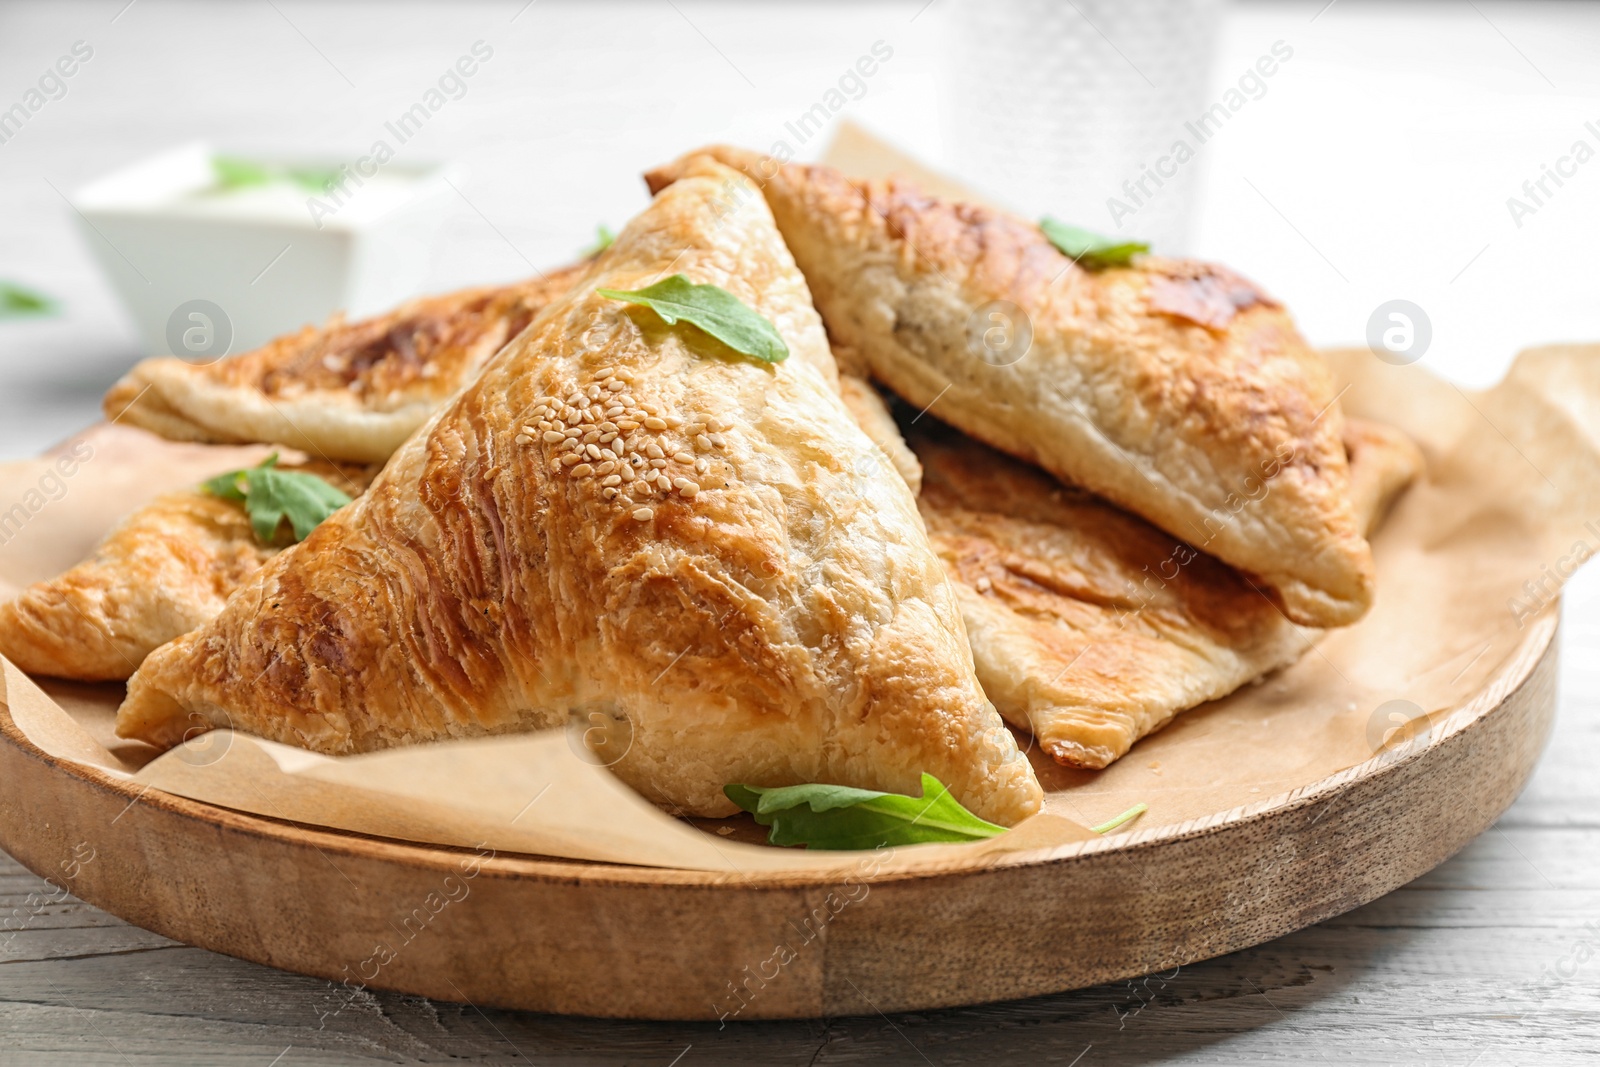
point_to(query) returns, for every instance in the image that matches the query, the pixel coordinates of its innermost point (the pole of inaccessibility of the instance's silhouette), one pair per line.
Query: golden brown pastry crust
(1383, 461)
(159, 573)
(1174, 389)
(786, 621)
(1090, 627)
(344, 391)
(867, 407)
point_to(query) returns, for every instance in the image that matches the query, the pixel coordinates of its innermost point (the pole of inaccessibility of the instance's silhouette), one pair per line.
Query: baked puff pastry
(722, 574)
(164, 570)
(1090, 627)
(345, 391)
(1174, 389)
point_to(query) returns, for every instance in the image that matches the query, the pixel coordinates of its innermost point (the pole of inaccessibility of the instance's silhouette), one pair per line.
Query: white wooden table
(1377, 167)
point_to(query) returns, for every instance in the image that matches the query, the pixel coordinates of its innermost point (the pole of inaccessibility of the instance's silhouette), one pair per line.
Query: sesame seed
(558, 425)
(672, 421)
(702, 443)
(625, 400)
(658, 463)
(701, 466)
(569, 459)
(653, 423)
(616, 385)
(545, 424)
(717, 439)
(582, 470)
(593, 392)
(627, 425)
(664, 483)
(636, 459)
(552, 436)
(614, 410)
(606, 468)
(573, 432)
(609, 494)
(593, 450)
(653, 450)
(605, 372)
(983, 584)
(572, 414)
(524, 439)
(684, 458)
(570, 444)
(643, 514)
(608, 427)
(612, 479)
(607, 438)
(686, 487)
(574, 399)
(716, 425)
(627, 473)
(529, 430)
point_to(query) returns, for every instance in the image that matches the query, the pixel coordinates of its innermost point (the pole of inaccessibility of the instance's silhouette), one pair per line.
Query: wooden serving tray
(608, 940)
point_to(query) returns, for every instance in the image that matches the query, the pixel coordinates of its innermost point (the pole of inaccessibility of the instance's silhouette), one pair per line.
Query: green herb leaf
(271, 495)
(1127, 816)
(713, 309)
(233, 172)
(602, 241)
(839, 817)
(17, 302)
(1091, 250)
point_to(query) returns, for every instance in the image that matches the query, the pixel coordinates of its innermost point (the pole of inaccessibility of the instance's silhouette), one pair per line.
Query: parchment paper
(1470, 557)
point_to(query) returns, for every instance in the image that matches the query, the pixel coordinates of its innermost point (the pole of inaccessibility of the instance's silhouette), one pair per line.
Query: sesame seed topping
(636, 459)
(612, 479)
(582, 470)
(593, 450)
(658, 463)
(702, 443)
(570, 458)
(558, 425)
(625, 400)
(607, 438)
(643, 514)
(653, 450)
(684, 458)
(717, 439)
(653, 423)
(672, 421)
(717, 425)
(523, 439)
(606, 467)
(552, 436)
(627, 425)
(609, 494)
(616, 385)
(983, 584)
(626, 472)
(573, 432)
(701, 466)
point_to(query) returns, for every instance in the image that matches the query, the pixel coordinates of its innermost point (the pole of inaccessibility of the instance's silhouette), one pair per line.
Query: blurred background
(1344, 154)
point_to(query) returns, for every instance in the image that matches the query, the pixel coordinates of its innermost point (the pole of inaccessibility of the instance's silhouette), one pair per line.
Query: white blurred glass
(1055, 107)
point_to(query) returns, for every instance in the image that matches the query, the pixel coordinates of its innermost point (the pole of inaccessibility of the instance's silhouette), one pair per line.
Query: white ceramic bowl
(205, 271)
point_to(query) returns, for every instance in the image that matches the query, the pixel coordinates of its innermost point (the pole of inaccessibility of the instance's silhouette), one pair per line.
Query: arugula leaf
(839, 817)
(234, 172)
(1127, 816)
(1089, 249)
(16, 302)
(271, 495)
(713, 309)
(602, 241)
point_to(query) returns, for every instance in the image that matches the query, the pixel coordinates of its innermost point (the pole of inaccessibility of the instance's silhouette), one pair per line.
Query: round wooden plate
(632, 942)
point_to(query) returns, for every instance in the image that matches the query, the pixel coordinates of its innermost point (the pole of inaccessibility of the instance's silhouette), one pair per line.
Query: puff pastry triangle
(343, 391)
(774, 615)
(1175, 389)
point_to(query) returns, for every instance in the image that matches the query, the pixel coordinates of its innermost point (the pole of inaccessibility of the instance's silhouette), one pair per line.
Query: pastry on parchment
(1090, 627)
(162, 571)
(759, 606)
(344, 391)
(1174, 389)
